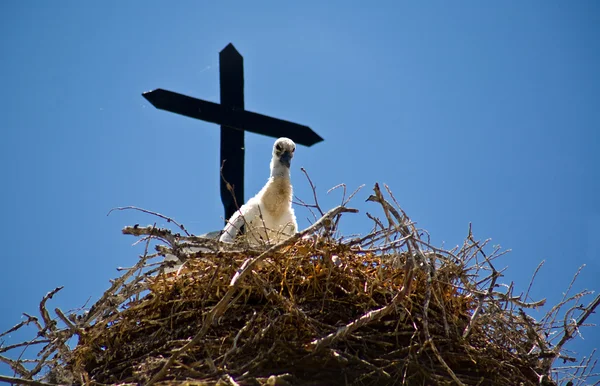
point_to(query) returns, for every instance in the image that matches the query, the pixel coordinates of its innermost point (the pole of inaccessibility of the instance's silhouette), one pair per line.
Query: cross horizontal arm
(236, 118)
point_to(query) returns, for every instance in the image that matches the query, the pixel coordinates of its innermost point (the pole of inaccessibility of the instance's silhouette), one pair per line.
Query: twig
(151, 230)
(19, 325)
(569, 332)
(99, 306)
(533, 278)
(17, 345)
(20, 381)
(43, 311)
(344, 200)
(234, 346)
(168, 219)
(551, 315)
(15, 365)
(314, 190)
(307, 206)
(66, 321)
(351, 196)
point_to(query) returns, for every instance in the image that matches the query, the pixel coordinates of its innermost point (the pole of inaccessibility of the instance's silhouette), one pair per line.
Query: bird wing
(246, 214)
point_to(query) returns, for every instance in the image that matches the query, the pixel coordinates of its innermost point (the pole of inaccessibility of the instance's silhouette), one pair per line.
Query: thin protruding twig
(30, 319)
(533, 279)
(43, 311)
(314, 190)
(168, 219)
(20, 381)
(570, 330)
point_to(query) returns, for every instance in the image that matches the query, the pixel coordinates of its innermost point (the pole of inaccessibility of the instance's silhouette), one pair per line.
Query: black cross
(234, 121)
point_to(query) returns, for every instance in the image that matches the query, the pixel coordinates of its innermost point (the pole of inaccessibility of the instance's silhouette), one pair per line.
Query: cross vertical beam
(231, 76)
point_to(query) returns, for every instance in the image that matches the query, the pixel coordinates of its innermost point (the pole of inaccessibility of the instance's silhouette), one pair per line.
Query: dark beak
(286, 158)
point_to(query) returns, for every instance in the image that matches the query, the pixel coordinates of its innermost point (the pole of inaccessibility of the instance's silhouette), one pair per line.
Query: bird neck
(278, 170)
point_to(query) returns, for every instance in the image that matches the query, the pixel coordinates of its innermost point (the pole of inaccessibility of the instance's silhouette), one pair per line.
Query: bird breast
(277, 197)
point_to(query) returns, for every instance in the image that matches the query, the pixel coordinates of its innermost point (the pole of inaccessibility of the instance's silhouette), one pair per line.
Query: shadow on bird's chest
(277, 196)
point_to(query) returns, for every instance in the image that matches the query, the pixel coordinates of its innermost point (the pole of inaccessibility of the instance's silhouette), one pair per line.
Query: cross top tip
(230, 50)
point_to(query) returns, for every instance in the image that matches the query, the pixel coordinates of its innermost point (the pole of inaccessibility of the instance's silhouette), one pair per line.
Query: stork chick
(268, 217)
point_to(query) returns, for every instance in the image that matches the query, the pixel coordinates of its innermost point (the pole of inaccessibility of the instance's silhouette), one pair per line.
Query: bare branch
(168, 219)
(21, 381)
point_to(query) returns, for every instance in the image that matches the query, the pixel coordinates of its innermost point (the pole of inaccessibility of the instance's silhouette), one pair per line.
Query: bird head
(283, 151)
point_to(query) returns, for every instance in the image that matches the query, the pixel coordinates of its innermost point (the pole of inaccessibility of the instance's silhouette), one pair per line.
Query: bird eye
(278, 146)
(293, 150)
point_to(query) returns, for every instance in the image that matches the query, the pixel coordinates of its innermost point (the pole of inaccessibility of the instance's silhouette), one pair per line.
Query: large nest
(387, 308)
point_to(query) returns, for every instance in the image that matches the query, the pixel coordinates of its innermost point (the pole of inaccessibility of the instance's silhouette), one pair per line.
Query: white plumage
(268, 217)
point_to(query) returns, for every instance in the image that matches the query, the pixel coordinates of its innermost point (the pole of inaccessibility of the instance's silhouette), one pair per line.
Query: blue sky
(470, 111)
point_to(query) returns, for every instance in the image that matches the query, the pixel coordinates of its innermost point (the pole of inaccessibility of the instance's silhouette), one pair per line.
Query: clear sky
(482, 112)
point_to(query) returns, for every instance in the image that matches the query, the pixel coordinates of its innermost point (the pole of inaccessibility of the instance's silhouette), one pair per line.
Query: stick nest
(387, 308)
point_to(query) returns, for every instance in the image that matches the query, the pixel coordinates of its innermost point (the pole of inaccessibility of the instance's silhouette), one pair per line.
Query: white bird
(268, 217)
